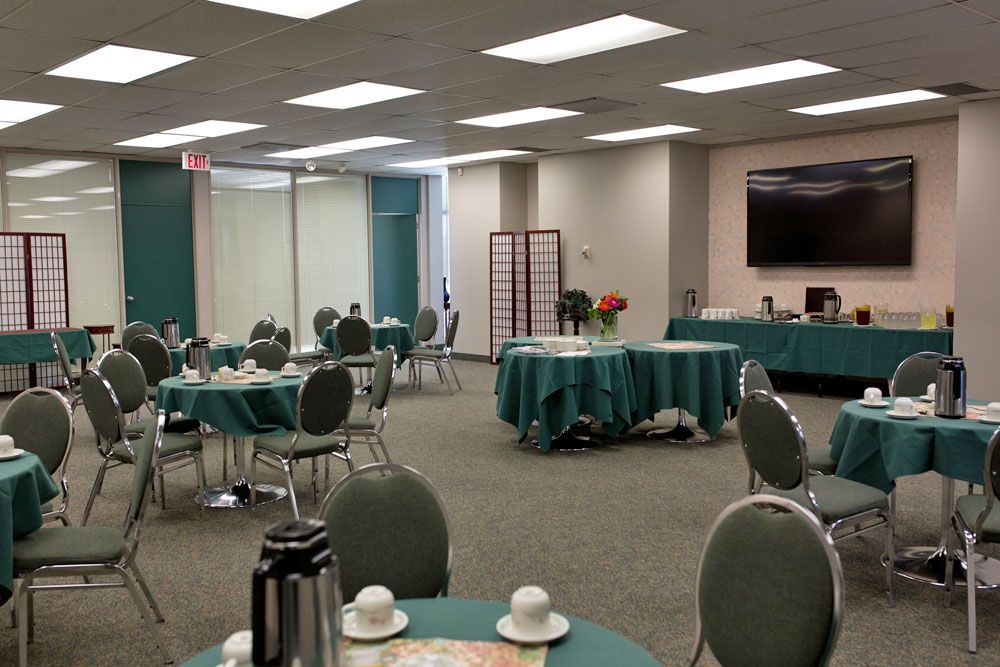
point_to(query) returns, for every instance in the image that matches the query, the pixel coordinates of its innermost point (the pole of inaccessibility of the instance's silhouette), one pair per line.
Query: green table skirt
(30, 347)
(704, 382)
(873, 448)
(586, 644)
(383, 335)
(24, 485)
(557, 390)
(245, 410)
(221, 355)
(520, 341)
(831, 349)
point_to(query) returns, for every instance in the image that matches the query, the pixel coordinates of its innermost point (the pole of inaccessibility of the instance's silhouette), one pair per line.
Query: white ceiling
(248, 62)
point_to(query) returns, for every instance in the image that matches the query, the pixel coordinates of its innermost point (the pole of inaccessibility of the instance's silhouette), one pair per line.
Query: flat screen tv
(845, 213)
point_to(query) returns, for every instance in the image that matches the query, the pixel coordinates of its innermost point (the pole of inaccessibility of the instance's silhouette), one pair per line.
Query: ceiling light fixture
(643, 133)
(751, 76)
(213, 128)
(158, 140)
(299, 9)
(365, 143)
(582, 40)
(15, 111)
(457, 159)
(53, 198)
(119, 64)
(307, 152)
(533, 115)
(872, 102)
(96, 191)
(4, 125)
(48, 168)
(354, 95)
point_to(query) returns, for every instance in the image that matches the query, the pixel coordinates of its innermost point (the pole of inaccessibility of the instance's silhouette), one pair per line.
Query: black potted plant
(572, 306)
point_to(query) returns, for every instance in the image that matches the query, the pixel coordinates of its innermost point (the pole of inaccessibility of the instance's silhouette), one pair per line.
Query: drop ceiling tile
(139, 99)
(796, 125)
(834, 95)
(474, 110)
(79, 117)
(95, 136)
(37, 129)
(625, 5)
(273, 114)
(435, 132)
(286, 85)
(66, 146)
(664, 50)
(334, 120)
(144, 123)
(647, 94)
(208, 75)
(7, 6)
(944, 77)
(711, 63)
(417, 103)
(211, 106)
(392, 17)
(540, 76)
(828, 81)
(473, 67)
(597, 86)
(937, 62)
(14, 142)
(384, 58)
(386, 127)
(914, 47)
(30, 52)
(10, 78)
(579, 126)
(512, 22)
(173, 153)
(279, 134)
(203, 28)
(57, 90)
(122, 150)
(988, 7)
(713, 137)
(99, 21)
(304, 44)
(698, 13)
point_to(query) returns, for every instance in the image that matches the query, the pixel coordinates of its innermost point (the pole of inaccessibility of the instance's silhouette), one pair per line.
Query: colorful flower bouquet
(606, 310)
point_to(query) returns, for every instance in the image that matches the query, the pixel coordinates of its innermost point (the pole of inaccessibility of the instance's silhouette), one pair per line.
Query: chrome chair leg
(163, 493)
(441, 373)
(150, 624)
(315, 489)
(199, 466)
(326, 480)
(970, 585)
(890, 550)
(371, 448)
(381, 444)
(253, 480)
(31, 616)
(98, 481)
(291, 489)
(457, 382)
(148, 593)
(22, 623)
(225, 460)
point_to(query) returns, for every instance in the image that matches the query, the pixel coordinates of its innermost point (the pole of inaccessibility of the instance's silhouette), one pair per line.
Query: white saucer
(984, 420)
(926, 398)
(399, 622)
(291, 375)
(880, 404)
(898, 415)
(267, 381)
(558, 626)
(239, 374)
(13, 454)
(200, 381)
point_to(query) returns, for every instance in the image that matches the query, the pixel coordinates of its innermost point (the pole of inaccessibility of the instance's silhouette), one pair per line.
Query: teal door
(395, 203)
(157, 245)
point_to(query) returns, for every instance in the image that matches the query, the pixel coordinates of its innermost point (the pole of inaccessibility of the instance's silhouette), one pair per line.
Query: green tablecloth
(704, 382)
(24, 485)
(221, 355)
(832, 349)
(557, 390)
(238, 409)
(29, 347)
(383, 335)
(586, 645)
(873, 448)
(520, 341)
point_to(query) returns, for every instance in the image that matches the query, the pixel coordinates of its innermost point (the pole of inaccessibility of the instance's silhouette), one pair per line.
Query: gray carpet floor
(613, 534)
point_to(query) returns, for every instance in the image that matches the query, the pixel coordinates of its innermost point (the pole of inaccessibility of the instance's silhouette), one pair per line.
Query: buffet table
(806, 347)
(35, 345)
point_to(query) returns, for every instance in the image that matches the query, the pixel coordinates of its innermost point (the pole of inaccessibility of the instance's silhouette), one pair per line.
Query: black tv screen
(845, 213)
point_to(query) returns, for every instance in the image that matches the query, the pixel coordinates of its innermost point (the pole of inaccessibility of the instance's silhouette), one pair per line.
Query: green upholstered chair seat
(820, 460)
(837, 497)
(360, 423)
(969, 507)
(308, 445)
(428, 352)
(355, 360)
(309, 356)
(70, 545)
(173, 443)
(175, 425)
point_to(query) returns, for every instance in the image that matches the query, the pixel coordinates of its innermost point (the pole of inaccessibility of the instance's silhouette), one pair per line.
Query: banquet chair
(284, 336)
(41, 421)
(753, 377)
(368, 428)
(93, 551)
(775, 449)
(115, 443)
(420, 356)
(914, 374)
(154, 357)
(321, 408)
(425, 325)
(976, 521)
(133, 329)
(269, 354)
(128, 379)
(324, 318)
(263, 330)
(72, 387)
(769, 586)
(395, 512)
(354, 337)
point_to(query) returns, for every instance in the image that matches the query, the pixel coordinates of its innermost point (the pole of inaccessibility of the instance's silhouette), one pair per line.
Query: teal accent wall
(395, 195)
(394, 247)
(157, 243)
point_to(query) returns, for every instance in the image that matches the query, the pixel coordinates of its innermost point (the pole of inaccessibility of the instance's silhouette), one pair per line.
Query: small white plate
(926, 398)
(399, 622)
(239, 374)
(291, 375)
(199, 381)
(558, 626)
(984, 420)
(900, 415)
(267, 381)
(12, 454)
(880, 404)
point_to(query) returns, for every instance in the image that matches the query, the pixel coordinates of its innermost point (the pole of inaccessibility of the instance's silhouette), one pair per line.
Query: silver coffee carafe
(767, 309)
(170, 332)
(831, 308)
(691, 303)
(949, 394)
(296, 598)
(199, 357)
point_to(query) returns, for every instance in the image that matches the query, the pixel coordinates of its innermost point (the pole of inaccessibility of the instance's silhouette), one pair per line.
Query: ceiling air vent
(957, 89)
(593, 105)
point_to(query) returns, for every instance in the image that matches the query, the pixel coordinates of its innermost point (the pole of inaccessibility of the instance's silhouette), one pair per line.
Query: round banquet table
(704, 381)
(383, 335)
(873, 448)
(586, 645)
(555, 390)
(24, 485)
(221, 355)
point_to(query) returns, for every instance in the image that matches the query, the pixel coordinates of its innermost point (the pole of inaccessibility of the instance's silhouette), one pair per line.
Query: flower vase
(609, 327)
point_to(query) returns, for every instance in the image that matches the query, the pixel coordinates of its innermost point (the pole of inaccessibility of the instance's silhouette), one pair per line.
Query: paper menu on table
(444, 653)
(681, 345)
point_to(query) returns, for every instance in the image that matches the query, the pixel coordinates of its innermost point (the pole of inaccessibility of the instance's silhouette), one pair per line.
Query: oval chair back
(41, 421)
(324, 399)
(769, 587)
(127, 378)
(425, 325)
(354, 336)
(62, 356)
(133, 329)
(269, 354)
(263, 330)
(449, 341)
(753, 377)
(395, 512)
(385, 375)
(324, 318)
(103, 408)
(914, 374)
(153, 357)
(284, 336)
(773, 442)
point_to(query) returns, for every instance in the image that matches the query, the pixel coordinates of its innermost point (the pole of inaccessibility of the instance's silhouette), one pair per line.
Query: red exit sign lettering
(196, 161)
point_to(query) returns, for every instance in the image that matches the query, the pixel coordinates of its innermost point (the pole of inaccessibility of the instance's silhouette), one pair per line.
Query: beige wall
(531, 191)
(929, 280)
(513, 197)
(688, 223)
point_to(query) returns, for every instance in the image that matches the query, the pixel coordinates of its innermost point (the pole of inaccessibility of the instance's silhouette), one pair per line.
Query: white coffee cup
(704, 313)
(374, 608)
(903, 406)
(239, 647)
(873, 395)
(993, 411)
(566, 345)
(336, 322)
(184, 369)
(216, 336)
(226, 373)
(191, 375)
(931, 389)
(6, 444)
(394, 320)
(187, 341)
(248, 365)
(386, 319)
(223, 339)
(262, 374)
(289, 368)
(529, 609)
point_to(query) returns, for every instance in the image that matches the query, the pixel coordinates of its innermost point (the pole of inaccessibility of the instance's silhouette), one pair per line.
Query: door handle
(130, 299)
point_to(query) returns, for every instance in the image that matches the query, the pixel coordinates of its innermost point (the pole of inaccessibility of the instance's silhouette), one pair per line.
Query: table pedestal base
(574, 438)
(927, 565)
(238, 494)
(680, 433)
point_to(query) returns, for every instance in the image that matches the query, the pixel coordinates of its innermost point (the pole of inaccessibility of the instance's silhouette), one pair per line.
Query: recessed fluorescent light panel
(533, 115)
(213, 128)
(158, 140)
(644, 133)
(872, 102)
(53, 198)
(15, 111)
(582, 40)
(119, 64)
(751, 76)
(5, 125)
(457, 159)
(366, 143)
(299, 9)
(354, 95)
(308, 152)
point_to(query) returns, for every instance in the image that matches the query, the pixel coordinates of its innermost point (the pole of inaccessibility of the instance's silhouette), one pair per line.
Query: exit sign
(197, 161)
